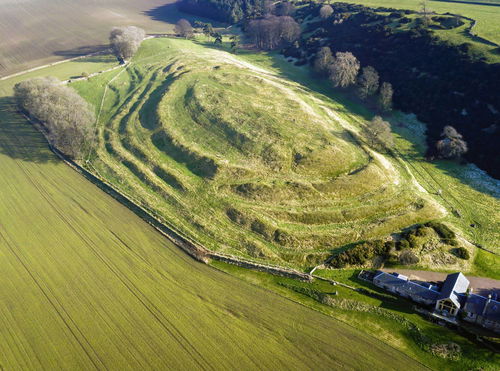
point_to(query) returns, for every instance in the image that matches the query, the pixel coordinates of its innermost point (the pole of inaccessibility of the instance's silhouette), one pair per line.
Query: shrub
(390, 246)
(442, 230)
(236, 216)
(421, 230)
(261, 228)
(361, 253)
(402, 244)
(412, 241)
(407, 257)
(284, 238)
(462, 253)
(446, 234)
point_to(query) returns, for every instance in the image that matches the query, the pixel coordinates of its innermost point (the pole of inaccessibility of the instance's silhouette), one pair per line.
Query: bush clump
(412, 241)
(402, 244)
(236, 216)
(360, 254)
(462, 253)
(407, 257)
(261, 228)
(284, 238)
(446, 234)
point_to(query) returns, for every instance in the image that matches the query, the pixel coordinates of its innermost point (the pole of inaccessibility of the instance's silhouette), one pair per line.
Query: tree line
(272, 31)
(66, 116)
(445, 85)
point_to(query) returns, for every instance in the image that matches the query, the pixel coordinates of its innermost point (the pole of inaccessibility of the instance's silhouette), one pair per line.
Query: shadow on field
(18, 138)
(82, 50)
(170, 13)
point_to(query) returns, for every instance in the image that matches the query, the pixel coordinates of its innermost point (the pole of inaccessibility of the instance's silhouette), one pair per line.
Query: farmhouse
(453, 298)
(483, 311)
(401, 285)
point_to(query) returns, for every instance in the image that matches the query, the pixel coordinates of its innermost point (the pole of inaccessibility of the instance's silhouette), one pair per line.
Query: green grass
(99, 282)
(464, 188)
(485, 15)
(63, 71)
(193, 132)
(457, 35)
(189, 141)
(86, 284)
(389, 327)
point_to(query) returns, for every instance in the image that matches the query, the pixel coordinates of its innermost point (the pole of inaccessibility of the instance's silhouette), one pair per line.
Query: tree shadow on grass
(170, 13)
(18, 138)
(468, 175)
(82, 50)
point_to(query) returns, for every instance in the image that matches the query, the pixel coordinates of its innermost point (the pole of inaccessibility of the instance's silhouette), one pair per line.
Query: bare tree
(385, 96)
(67, 117)
(368, 82)
(426, 12)
(323, 60)
(378, 133)
(284, 8)
(325, 11)
(272, 31)
(344, 69)
(125, 41)
(289, 30)
(452, 145)
(183, 28)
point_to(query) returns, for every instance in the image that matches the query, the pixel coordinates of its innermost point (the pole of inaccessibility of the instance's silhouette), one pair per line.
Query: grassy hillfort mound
(245, 161)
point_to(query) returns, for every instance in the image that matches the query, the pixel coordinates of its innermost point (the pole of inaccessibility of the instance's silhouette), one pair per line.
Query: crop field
(86, 284)
(36, 32)
(486, 15)
(243, 160)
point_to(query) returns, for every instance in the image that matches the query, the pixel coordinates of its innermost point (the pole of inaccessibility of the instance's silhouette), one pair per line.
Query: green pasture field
(362, 313)
(167, 90)
(86, 284)
(37, 32)
(486, 15)
(64, 71)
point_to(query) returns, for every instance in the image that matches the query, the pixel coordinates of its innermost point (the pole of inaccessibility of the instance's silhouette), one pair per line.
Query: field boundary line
(186, 244)
(53, 64)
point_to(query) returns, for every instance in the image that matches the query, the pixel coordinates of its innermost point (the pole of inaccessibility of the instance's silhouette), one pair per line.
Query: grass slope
(245, 161)
(87, 285)
(463, 187)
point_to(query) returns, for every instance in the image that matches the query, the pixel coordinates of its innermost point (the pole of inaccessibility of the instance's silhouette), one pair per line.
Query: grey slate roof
(475, 304)
(454, 285)
(401, 282)
(493, 311)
